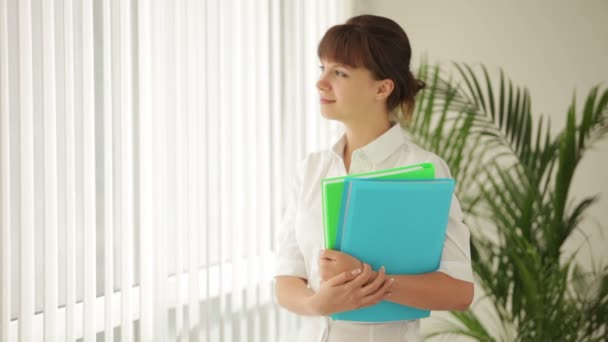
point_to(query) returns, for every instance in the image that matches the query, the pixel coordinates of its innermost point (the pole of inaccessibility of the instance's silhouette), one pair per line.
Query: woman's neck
(358, 136)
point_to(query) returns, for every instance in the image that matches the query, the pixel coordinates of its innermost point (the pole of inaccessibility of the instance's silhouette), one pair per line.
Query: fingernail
(357, 271)
(382, 268)
(392, 280)
(388, 294)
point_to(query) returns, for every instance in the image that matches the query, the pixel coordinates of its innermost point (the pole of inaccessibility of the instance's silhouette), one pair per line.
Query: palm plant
(514, 179)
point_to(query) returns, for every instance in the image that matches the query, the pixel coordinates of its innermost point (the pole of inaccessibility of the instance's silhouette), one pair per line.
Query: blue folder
(399, 224)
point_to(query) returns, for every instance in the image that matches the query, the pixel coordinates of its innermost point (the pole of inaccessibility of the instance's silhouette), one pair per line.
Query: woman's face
(347, 94)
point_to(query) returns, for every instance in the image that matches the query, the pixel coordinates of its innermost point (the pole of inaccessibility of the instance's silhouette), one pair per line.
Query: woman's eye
(340, 73)
(321, 68)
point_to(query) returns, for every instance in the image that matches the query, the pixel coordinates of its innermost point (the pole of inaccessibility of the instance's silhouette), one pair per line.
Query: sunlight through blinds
(145, 149)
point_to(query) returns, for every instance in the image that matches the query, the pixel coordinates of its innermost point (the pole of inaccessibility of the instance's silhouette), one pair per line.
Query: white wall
(551, 47)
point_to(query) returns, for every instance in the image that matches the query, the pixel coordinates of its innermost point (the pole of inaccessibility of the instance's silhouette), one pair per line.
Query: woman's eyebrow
(330, 64)
(339, 65)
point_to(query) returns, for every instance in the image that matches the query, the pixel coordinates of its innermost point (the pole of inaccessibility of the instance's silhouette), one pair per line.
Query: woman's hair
(380, 45)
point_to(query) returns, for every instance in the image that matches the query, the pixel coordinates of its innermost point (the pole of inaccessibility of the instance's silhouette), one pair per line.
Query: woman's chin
(329, 115)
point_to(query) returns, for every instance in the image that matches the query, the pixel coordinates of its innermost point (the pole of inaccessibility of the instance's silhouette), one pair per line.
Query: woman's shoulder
(317, 158)
(418, 154)
(313, 163)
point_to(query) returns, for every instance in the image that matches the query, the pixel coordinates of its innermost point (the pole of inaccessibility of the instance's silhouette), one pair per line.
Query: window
(144, 150)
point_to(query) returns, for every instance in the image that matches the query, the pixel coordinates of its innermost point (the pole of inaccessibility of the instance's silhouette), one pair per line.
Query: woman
(366, 84)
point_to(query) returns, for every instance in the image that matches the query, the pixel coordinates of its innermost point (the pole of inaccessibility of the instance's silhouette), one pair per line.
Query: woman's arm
(294, 295)
(432, 291)
(346, 291)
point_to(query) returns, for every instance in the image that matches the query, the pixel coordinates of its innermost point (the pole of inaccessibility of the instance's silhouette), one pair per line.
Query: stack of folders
(332, 189)
(398, 223)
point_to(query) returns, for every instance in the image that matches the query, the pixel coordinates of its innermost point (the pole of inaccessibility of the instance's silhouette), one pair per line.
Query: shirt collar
(338, 146)
(377, 150)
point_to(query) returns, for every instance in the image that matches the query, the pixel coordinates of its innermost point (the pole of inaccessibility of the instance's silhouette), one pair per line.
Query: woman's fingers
(328, 254)
(344, 277)
(379, 295)
(341, 259)
(349, 289)
(361, 279)
(373, 286)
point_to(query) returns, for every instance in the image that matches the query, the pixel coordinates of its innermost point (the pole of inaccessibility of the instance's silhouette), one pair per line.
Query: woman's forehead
(331, 63)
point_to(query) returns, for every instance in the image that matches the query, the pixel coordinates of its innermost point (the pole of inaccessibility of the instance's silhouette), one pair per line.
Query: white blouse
(300, 236)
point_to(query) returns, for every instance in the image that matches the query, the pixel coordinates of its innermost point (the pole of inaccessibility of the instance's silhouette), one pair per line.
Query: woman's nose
(322, 84)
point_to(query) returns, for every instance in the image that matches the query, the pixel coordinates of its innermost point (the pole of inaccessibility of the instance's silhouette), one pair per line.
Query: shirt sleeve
(289, 257)
(456, 255)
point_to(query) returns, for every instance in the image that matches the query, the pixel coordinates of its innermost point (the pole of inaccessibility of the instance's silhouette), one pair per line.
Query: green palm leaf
(511, 172)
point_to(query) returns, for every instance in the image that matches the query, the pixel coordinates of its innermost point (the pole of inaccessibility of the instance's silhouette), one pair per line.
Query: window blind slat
(234, 137)
(250, 31)
(210, 54)
(192, 16)
(161, 106)
(263, 104)
(70, 169)
(26, 305)
(298, 125)
(276, 108)
(50, 174)
(89, 196)
(126, 172)
(224, 226)
(310, 62)
(179, 152)
(108, 214)
(5, 175)
(147, 174)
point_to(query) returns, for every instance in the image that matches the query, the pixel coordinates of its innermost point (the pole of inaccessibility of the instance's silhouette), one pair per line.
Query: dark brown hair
(380, 45)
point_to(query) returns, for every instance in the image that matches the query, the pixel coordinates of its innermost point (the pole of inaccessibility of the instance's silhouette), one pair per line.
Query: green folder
(331, 190)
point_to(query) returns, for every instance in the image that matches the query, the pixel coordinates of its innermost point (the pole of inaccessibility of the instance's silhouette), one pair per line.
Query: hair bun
(420, 85)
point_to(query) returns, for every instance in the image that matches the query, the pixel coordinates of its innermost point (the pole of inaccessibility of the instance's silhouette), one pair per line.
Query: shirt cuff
(291, 267)
(457, 270)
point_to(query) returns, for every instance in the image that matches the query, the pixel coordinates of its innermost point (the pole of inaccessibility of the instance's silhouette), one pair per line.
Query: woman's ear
(384, 89)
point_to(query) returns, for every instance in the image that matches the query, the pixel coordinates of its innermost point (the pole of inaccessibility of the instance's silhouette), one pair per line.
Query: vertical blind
(144, 150)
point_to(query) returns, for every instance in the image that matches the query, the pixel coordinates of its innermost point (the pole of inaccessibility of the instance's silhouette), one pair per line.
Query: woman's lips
(325, 101)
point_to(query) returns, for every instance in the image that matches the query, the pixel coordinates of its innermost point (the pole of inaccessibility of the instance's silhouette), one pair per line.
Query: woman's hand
(350, 290)
(332, 263)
